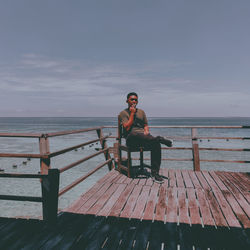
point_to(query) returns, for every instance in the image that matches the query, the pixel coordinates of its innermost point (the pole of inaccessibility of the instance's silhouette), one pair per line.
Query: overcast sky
(81, 57)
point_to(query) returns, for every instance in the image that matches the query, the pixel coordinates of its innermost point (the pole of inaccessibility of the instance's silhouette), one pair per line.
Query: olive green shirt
(140, 120)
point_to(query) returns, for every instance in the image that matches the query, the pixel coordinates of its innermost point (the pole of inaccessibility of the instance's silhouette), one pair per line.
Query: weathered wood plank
(172, 178)
(117, 208)
(193, 207)
(202, 180)
(141, 203)
(226, 209)
(179, 179)
(151, 203)
(204, 208)
(103, 199)
(109, 176)
(110, 203)
(187, 179)
(84, 197)
(161, 204)
(194, 179)
(172, 207)
(215, 209)
(90, 202)
(243, 179)
(183, 208)
(237, 182)
(128, 209)
(237, 209)
(218, 181)
(238, 196)
(210, 180)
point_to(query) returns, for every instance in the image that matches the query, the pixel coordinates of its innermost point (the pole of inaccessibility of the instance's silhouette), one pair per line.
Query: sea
(32, 187)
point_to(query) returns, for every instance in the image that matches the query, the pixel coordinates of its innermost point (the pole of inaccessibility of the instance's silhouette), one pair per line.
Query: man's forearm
(129, 123)
(146, 130)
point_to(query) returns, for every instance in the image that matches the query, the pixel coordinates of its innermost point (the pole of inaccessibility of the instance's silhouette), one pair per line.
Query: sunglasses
(133, 99)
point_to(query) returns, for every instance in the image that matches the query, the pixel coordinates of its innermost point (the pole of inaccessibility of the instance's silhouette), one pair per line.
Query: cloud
(41, 83)
(41, 74)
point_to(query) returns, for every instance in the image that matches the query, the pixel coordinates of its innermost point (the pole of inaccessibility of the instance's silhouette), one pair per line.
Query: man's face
(132, 100)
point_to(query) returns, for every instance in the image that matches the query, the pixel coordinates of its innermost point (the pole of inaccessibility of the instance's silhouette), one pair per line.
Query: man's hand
(146, 130)
(132, 109)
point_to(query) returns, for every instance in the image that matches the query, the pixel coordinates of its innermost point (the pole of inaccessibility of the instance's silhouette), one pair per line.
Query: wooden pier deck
(191, 210)
(203, 198)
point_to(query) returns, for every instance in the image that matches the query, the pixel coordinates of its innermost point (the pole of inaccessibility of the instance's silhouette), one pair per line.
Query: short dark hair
(131, 93)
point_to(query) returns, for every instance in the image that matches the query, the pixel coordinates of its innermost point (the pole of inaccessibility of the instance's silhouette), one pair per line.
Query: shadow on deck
(77, 231)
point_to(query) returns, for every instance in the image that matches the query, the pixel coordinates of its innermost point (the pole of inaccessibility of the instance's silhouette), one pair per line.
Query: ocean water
(44, 125)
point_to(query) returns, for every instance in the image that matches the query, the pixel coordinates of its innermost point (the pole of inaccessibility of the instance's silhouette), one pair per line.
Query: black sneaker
(165, 141)
(157, 178)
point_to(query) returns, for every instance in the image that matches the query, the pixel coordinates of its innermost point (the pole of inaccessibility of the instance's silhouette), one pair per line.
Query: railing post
(44, 149)
(195, 150)
(50, 187)
(104, 146)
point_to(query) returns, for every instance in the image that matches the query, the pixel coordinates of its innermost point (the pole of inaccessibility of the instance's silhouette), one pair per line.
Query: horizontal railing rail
(82, 178)
(195, 138)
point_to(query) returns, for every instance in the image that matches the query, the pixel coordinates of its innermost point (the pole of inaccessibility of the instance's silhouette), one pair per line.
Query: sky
(184, 58)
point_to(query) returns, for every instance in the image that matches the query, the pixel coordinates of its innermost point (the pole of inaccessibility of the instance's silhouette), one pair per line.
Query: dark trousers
(149, 142)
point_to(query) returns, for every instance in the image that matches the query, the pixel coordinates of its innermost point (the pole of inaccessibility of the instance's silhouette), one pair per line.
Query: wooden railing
(194, 138)
(50, 177)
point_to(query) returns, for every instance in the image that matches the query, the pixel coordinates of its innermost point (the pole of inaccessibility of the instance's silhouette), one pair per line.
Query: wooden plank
(172, 178)
(202, 180)
(210, 180)
(241, 189)
(165, 173)
(109, 176)
(243, 176)
(129, 207)
(117, 208)
(172, 208)
(226, 209)
(151, 202)
(135, 181)
(237, 182)
(103, 199)
(141, 203)
(194, 179)
(142, 181)
(90, 202)
(215, 209)
(84, 197)
(233, 203)
(127, 180)
(204, 208)
(187, 179)
(149, 182)
(236, 208)
(183, 208)
(243, 180)
(121, 179)
(161, 204)
(238, 196)
(193, 207)
(218, 181)
(110, 203)
(117, 178)
(179, 179)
